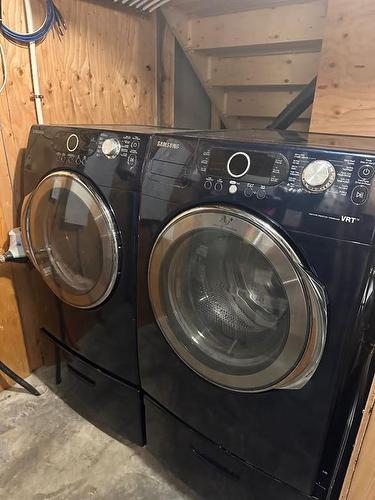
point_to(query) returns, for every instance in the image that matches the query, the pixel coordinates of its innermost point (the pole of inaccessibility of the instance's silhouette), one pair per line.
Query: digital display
(261, 164)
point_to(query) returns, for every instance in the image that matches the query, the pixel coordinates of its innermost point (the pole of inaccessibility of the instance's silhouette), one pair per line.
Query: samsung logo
(169, 145)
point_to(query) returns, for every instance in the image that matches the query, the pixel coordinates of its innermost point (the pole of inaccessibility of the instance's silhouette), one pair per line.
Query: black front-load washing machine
(79, 221)
(255, 348)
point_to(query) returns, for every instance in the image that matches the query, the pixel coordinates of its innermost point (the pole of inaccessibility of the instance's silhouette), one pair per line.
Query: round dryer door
(71, 237)
(234, 301)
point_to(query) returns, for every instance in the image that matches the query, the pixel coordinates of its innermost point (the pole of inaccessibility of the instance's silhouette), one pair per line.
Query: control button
(132, 160)
(366, 172)
(208, 185)
(318, 176)
(248, 192)
(238, 164)
(261, 194)
(135, 145)
(233, 189)
(359, 195)
(111, 147)
(218, 186)
(72, 143)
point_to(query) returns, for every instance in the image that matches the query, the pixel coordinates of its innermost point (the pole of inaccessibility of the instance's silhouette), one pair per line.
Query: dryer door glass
(233, 301)
(72, 239)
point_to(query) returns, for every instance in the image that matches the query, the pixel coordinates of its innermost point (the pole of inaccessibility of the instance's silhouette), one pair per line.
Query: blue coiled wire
(53, 19)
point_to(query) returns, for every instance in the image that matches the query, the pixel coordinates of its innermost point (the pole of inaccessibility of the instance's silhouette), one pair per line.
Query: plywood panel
(102, 71)
(16, 113)
(12, 347)
(276, 25)
(16, 107)
(285, 69)
(345, 95)
(244, 122)
(259, 102)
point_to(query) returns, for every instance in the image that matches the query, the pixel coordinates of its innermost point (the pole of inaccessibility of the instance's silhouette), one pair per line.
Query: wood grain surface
(271, 25)
(345, 94)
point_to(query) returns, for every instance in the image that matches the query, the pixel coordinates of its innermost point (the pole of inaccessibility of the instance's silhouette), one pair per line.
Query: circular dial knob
(111, 147)
(318, 176)
(238, 164)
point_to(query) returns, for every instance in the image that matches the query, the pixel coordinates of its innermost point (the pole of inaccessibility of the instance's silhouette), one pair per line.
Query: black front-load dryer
(256, 288)
(79, 222)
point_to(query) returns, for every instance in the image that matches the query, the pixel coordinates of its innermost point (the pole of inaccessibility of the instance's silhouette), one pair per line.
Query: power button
(366, 172)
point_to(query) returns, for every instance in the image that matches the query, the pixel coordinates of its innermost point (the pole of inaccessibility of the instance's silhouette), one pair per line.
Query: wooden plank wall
(103, 71)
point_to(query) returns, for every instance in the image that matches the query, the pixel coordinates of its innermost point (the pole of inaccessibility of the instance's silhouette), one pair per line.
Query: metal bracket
(33, 96)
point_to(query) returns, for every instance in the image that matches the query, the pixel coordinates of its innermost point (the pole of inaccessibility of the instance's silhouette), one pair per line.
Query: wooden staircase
(252, 56)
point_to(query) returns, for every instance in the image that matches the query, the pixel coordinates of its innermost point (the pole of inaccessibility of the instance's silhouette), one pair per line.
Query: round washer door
(71, 237)
(234, 301)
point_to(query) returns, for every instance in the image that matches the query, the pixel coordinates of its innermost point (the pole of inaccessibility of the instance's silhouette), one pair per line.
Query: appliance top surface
(290, 137)
(146, 129)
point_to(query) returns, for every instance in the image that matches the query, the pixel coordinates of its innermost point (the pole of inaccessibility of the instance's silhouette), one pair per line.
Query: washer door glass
(229, 299)
(71, 238)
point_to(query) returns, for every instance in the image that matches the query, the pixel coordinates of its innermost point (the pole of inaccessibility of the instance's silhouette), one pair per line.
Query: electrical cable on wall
(53, 19)
(3, 69)
(38, 98)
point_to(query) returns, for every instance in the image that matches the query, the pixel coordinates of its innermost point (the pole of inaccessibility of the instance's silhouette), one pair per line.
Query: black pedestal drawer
(210, 470)
(111, 405)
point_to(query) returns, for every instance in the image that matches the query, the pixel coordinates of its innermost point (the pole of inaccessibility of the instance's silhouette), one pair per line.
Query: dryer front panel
(71, 237)
(234, 301)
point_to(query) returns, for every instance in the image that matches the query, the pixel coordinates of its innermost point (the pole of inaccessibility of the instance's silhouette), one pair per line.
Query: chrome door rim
(107, 275)
(298, 287)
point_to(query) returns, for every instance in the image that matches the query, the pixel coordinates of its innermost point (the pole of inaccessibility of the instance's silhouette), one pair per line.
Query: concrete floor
(47, 451)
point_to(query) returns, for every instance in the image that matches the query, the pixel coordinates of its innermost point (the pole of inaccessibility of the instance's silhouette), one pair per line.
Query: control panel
(256, 171)
(250, 166)
(344, 176)
(74, 149)
(246, 170)
(319, 190)
(260, 170)
(120, 146)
